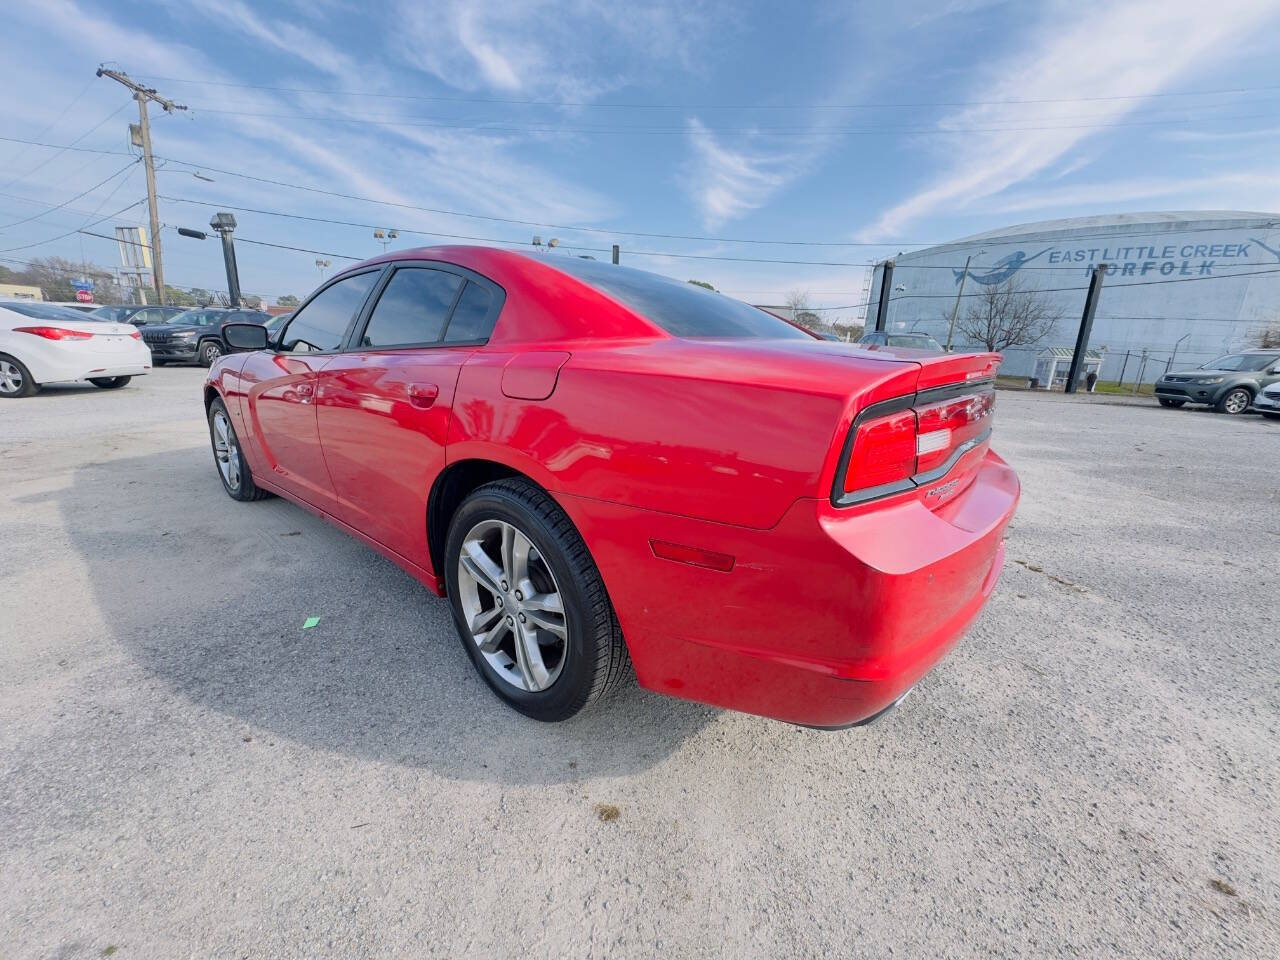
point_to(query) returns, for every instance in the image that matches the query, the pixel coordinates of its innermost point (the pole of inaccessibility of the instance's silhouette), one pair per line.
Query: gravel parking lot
(186, 772)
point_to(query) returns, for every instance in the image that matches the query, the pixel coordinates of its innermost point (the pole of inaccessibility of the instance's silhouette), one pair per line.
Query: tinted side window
(320, 325)
(413, 308)
(471, 319)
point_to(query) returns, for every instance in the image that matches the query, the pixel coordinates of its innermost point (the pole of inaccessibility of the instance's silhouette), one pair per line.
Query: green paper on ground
(310, 622)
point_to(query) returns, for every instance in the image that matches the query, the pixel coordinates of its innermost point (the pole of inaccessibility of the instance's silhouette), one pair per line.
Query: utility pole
(142, 95)
(886, 285)
(1086, 327)
(616, 252)
(951, 330)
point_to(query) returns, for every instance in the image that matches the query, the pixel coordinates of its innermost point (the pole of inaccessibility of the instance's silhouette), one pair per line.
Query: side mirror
(245, 336)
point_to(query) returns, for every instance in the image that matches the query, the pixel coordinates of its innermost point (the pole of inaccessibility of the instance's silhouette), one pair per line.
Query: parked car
(1267, 402)
(41, 343)
(138, 315)
(74, 305)
(194, 336)
(1228, 384)
(916, 341)
(596, 464)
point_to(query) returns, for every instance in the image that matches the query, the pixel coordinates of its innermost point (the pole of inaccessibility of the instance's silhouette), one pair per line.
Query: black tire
(1175, 404)
(109, 383)
(209, 353)
(244, 488)
(1230, 402)
(25, 387)
(596, 660)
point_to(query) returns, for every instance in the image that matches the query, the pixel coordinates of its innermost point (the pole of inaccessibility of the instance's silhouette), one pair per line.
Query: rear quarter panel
(657, 437)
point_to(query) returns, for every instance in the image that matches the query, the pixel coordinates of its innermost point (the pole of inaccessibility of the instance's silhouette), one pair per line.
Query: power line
(59, 206)
(507, 127)
(56, 120)
(69, 233)
(599, 230)
(71, 146)
(879, 104)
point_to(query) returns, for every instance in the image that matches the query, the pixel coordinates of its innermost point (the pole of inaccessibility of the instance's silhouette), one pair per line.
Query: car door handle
(423, 395)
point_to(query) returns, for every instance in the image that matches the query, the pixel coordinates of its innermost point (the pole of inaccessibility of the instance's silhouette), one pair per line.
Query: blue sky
(877, 126)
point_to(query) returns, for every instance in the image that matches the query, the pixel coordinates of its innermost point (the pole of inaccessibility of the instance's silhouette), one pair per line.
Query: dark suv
(138, 315)
(195, 335)
(1228, 384)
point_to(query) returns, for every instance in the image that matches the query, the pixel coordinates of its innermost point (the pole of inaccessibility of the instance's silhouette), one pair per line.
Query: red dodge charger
(601, 467)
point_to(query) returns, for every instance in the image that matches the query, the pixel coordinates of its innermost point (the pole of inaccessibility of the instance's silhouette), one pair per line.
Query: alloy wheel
(226, 451)
(10, 377)
(211, 353)
(512, 605)
(1237, 401)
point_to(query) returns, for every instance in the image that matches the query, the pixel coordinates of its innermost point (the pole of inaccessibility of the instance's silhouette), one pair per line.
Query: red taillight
(54, 333)
(896, 451)
(884, 451)
(948, 424)
(136, 335)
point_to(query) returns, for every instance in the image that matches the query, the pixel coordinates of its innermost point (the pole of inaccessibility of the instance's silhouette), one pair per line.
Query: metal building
(1182, 286)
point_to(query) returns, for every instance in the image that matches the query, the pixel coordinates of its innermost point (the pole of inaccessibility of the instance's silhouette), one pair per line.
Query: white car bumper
(77, 361)
(1267, 402)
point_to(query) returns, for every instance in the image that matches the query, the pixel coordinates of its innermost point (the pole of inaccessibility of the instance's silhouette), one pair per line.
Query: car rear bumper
(53, 366)
(825, 620)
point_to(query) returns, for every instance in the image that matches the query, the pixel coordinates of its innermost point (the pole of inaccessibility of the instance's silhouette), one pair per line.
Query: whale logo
(1275, 253)
(1003, 269)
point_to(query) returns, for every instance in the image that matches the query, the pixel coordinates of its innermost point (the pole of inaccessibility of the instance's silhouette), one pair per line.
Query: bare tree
(801, 312)
(1005, 315)
(1268, 338)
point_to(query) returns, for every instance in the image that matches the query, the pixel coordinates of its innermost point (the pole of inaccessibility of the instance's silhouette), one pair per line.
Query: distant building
(17, 291)
(1231, 260)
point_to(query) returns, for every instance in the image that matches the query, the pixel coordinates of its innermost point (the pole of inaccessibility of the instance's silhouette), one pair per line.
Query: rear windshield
(682, 309)
(1241, 361)
(113, 314)
(44, 311)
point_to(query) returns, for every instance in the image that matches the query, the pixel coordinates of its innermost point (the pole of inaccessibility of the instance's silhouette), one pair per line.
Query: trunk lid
(927, 444)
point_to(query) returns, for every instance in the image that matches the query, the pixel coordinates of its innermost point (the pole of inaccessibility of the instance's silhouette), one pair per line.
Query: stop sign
(84, 296)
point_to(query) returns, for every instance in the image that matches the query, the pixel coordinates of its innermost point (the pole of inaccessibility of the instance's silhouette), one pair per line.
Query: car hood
(1193, 374)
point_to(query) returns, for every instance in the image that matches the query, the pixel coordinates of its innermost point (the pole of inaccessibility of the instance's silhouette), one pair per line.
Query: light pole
(322, 266)
(224, 224)
(385, 238)
(951, 328)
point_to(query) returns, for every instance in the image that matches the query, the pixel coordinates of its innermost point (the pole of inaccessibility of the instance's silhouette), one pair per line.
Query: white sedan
(44, 343)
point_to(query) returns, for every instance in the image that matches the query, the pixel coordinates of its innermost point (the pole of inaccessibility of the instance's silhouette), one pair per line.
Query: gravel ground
(185, 772)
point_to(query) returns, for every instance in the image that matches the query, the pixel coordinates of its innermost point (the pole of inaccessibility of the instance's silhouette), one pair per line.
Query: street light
(951, 328)
(385, 238)
(322, 266)
(224, 224)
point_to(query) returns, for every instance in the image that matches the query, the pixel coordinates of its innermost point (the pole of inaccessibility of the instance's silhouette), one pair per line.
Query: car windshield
(682, 309)
(44, 311)
(195, 318)
(1241, 361)
(919, 340)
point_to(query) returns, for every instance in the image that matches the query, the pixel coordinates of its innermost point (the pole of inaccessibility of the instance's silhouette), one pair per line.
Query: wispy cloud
(1253, 190)
(572, 49)
(286, 36)
(727, 183)
(1138, 48)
